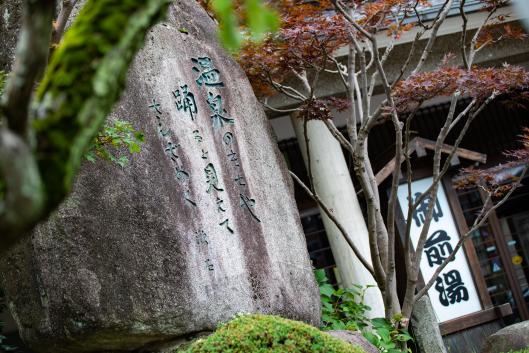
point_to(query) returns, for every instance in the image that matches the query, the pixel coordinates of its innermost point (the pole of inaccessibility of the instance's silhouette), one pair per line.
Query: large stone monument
(201, 226)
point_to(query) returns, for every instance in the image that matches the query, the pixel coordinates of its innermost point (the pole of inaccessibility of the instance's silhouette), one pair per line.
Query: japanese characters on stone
(454, 293)
(186, 99)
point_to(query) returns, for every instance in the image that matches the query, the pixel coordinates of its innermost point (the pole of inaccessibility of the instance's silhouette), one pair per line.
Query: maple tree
(292, 61)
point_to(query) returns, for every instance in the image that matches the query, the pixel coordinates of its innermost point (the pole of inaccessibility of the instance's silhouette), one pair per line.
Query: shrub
(269, 334)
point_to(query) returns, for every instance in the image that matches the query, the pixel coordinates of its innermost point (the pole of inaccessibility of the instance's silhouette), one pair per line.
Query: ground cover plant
(344, 309)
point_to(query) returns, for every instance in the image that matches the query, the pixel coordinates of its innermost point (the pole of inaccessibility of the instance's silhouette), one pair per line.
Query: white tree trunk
(332, 182)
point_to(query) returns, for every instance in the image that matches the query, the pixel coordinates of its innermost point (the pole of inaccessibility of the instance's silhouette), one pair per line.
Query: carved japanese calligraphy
(185, 100)
(197, 137)
(220, 205)
(211, 178)
(248, 204)
(228, 138)
(219, 117)
(226, 224)
(209, 76)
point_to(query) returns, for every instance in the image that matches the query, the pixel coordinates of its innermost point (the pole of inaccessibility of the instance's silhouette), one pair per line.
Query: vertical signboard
(454, 293)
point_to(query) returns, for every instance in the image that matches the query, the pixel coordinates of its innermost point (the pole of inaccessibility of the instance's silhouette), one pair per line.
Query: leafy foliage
(478, 83)
(269, 334)
(343, 309)
(308, 33)
(112, 139)
(386, 335)
(241, 17)
(497, 180)
(84, 79)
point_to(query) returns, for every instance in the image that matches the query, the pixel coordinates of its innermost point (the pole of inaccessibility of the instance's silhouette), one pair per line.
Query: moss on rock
(269, 334)
(84, 79)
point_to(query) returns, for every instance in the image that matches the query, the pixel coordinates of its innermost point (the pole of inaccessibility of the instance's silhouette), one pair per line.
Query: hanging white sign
(454, 293)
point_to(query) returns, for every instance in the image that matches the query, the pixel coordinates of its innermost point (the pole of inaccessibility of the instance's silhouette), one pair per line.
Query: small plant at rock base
(387, 336)
(111, 139)
(344, 309)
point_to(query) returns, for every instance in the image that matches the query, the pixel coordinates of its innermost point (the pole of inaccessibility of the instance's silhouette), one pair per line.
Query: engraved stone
(201, 225)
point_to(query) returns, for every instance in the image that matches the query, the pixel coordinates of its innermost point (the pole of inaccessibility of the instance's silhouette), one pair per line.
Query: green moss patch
(84, 79)
(269, 334)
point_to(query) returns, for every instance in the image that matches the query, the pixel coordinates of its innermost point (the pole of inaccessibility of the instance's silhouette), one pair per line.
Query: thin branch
(303, 78)
(341, 73)
(62, 20)
(418, 15)
(407, 148)
(327, 211)
(361, 98)
(404, 66)
(31, 59)
(432, 194)
(351, 117)
(462, 114)
(342, 9)
(307, 151)
(267, 106)
(456, 144)
(463, 44)
(474, 42)
(390, 250)
(433, 35)
(288, 91)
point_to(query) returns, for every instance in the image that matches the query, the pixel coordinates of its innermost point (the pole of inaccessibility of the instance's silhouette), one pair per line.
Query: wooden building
(498, 253)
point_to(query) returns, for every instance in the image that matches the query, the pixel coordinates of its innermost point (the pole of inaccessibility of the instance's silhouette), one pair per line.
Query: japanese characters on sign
(454, 293)
(187, 97)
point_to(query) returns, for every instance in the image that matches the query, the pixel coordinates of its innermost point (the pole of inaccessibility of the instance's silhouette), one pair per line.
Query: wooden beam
(419, 145)
(475, 319)
(460, 152)
(388, 169)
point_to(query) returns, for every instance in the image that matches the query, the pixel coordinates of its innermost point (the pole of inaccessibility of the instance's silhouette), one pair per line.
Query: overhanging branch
(31, 59)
